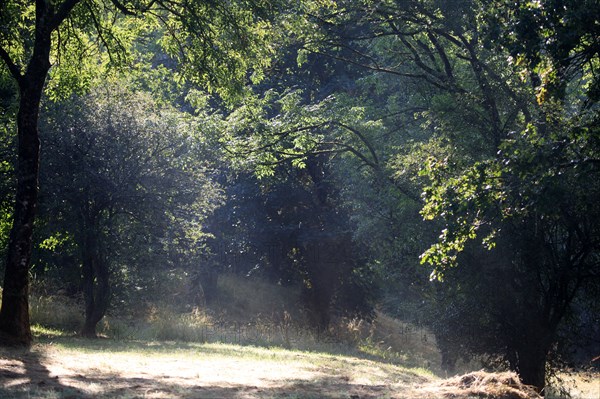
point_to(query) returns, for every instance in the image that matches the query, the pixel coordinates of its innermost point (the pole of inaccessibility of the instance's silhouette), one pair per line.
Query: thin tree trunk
(14, 315)
(96, 288)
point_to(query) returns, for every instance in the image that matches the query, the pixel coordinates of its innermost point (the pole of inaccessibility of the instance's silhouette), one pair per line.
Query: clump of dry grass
(481, 384)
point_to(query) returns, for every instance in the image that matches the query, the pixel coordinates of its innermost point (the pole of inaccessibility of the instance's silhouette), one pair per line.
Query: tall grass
(242, 298)
(249, 312)
(57, 312)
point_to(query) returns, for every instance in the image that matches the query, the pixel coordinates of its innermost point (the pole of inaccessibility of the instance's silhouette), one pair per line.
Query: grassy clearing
(249, 312)
(62, 367)
(245, 346)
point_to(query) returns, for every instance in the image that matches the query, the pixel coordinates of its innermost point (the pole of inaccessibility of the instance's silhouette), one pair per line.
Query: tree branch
(363, 139)
(349, 148)
(384, 70)
(62, 13)
(121, 7)
(12, 67)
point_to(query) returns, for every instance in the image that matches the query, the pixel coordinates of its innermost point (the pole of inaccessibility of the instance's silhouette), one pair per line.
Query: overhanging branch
(62, 13)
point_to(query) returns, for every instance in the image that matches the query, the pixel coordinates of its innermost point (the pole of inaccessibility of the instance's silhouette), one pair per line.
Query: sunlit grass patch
(40, 331)
(59, 366)
(574, 385)
(115, 368)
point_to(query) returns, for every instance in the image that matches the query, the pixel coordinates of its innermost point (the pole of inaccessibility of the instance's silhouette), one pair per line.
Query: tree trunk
(96, 289)
(14, 314)
(530, 359)
(531, 367)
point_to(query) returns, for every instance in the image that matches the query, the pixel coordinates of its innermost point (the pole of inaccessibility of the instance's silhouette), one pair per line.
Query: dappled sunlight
(207, 371)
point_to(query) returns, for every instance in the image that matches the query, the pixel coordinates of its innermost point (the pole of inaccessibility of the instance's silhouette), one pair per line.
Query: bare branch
(363, 139)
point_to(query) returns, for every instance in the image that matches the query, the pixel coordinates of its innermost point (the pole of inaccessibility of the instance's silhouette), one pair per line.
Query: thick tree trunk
(96, 288)
(531, 352)
(532, 370)
(531, 366)
(14, 314)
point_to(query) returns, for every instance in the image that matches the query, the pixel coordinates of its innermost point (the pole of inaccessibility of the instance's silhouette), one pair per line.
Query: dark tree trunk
(14, 314)
(209, 280)
(531, 346)
(531, 365)
(318, 295)
(96, 288)
(449, 351)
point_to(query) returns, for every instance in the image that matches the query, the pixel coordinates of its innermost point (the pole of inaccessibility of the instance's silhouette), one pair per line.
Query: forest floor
(75, 368)
(69, 367)
(235, 350)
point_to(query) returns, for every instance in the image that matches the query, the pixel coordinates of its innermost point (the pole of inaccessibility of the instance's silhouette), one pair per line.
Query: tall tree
(118, 165)
(505, 94)
(216, 42)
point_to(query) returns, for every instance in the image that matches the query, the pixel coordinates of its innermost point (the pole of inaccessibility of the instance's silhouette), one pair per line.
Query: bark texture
(14, 315)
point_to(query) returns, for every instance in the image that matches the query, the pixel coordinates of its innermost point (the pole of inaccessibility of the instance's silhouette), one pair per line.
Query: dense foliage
(438, 159)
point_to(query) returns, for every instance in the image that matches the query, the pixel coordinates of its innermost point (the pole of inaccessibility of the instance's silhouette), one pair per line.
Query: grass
(252, 344)
(56, 312)
(62, 367)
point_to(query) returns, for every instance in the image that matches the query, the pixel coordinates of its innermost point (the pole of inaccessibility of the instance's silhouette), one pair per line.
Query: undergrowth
(245, 312)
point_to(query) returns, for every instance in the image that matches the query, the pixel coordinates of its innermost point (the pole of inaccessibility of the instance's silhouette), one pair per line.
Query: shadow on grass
(118, 386)
(24, 375)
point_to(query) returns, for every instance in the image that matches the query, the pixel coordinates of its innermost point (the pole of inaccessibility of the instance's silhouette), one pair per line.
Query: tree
(508, 122)
(122, 171)
(7, 156)
(217, 42)
(292, 139)
(532, 202)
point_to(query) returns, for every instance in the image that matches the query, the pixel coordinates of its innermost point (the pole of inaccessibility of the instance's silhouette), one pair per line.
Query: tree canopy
(438, 159)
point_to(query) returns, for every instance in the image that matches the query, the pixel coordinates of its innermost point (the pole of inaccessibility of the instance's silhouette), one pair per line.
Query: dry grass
(73, 368)
(402, 342)
(385, 358)
(481, 384)
(575, 385)
(56, 312)
(242, 298)
(61, 368)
